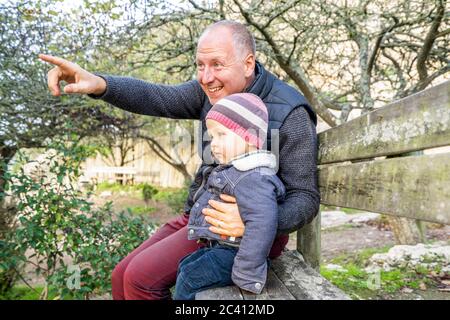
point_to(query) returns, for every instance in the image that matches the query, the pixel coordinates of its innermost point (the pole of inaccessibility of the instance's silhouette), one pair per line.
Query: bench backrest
(371, 163)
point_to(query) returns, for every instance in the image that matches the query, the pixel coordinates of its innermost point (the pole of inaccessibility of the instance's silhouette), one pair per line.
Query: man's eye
(200, 66)
(218, 65)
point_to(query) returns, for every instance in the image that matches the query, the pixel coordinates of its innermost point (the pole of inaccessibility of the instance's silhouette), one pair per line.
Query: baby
(237, 125)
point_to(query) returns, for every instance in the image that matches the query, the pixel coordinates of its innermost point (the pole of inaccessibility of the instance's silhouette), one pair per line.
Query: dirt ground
(348, 239)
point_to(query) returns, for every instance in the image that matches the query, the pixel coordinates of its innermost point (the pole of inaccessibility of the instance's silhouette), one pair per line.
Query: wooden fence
(358, 167)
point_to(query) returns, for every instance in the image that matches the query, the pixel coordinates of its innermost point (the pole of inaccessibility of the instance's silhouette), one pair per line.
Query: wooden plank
(224, 293)
(414, 187)
(417, 122)
(289, 278)
(308, 242)
(302, 281)
(274, 290)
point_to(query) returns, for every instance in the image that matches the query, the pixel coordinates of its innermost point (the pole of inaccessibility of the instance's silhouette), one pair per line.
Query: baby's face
(225, 144)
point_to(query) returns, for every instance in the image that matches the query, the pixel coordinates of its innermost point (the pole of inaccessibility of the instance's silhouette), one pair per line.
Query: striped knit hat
(243, 113)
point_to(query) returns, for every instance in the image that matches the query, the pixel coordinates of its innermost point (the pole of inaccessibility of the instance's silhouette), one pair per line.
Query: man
(226, 64)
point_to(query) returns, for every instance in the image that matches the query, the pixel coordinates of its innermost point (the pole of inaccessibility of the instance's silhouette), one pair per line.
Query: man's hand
(224, 217)
(80, 80)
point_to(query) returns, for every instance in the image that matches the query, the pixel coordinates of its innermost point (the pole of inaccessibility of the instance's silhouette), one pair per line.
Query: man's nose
(207, 76)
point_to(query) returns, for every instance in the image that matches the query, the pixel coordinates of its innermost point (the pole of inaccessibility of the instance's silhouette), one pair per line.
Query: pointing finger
(53, 60)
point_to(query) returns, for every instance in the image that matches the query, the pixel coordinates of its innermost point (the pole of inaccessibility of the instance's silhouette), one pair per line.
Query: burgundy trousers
(150, 270)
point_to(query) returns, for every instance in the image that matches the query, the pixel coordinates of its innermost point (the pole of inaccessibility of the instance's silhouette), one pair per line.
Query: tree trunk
(405, 230)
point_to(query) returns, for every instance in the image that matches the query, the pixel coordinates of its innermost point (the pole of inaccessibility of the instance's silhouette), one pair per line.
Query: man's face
(220, 71)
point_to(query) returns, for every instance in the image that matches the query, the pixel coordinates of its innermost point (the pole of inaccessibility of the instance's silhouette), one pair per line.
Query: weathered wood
(308, 242)
(413, 187)
(417, 122)
(225, 293)
(405, 230)
(302, 281)
(290, 278)
(274, 290)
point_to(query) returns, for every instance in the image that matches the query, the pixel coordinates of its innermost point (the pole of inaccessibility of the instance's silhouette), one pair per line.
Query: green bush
(74, 245)
(148, 191)
(174, 198)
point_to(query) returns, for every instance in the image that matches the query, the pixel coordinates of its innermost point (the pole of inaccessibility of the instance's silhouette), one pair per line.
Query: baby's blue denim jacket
(252, 179)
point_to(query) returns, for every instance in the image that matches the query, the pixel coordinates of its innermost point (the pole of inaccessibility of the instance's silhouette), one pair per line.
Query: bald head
(225, 60)
(243, 41)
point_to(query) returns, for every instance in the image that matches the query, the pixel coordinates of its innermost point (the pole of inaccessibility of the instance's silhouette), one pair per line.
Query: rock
(407, 256)
(364, 217)
(331, 219)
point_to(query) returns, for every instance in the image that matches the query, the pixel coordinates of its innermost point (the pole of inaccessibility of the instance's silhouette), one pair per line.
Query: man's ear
(249, 63)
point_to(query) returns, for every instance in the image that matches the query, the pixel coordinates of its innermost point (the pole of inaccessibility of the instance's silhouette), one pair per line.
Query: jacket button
(210, 190)
(258, 286)
(218, 180)
(214, 172)
(191, 231)
(197, 204)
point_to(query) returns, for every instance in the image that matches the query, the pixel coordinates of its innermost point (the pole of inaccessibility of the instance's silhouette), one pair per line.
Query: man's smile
(215, 89)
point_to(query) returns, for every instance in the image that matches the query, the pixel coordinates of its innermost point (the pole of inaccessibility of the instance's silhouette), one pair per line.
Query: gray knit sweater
(298, 140)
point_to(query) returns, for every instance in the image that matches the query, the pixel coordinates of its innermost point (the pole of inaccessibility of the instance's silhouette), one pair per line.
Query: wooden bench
(121, 175)
(368, 163)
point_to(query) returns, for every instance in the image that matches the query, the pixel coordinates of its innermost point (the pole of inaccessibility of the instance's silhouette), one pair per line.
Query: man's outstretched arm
(182, 101)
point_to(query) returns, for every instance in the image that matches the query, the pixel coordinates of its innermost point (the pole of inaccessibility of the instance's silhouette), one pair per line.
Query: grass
(359, 284)
(139, 210)
(174, 198)
(21, 292)
(117, 187)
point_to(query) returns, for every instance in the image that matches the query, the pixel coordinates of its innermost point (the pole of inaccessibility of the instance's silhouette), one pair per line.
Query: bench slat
(415, 187)
(302, 281)
(274, 290)
(225, 293)
(289, 278)
(417, 122)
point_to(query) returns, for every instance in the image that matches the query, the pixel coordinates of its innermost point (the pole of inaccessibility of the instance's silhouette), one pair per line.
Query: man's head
(225, 59)
(237, 124)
